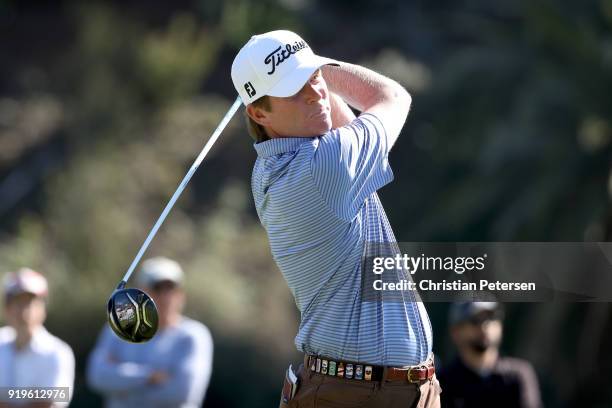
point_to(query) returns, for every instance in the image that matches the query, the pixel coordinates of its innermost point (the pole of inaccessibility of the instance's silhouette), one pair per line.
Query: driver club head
(132, 314)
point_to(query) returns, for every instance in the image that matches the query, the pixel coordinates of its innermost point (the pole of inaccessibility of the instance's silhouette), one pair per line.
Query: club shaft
(228, 116)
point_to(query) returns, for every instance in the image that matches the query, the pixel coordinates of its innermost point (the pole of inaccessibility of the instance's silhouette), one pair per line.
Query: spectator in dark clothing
(479, 377)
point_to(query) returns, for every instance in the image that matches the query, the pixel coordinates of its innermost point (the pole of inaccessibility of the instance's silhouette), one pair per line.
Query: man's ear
(259, 115)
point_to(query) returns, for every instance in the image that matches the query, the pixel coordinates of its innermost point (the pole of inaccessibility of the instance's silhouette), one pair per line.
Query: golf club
(132, 314)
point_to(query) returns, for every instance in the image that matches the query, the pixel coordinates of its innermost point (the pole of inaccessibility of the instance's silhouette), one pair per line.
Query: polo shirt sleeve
(350, 163)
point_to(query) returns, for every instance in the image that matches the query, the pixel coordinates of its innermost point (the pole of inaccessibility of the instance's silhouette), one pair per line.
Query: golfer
(314, 184)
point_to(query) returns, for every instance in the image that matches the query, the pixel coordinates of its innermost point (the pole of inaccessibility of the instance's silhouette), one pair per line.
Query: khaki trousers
(323, 391)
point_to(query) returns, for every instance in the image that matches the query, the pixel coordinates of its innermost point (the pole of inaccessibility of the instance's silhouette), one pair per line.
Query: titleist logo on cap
(279, 55)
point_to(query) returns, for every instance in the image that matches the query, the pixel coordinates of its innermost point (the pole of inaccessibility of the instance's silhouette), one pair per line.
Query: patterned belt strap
(367, 372)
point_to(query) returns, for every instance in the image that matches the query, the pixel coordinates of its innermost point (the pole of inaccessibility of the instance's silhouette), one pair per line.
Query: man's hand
(157, 377)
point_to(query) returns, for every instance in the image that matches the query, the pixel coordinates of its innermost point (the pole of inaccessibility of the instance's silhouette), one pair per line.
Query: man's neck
(170, 321)
(23, 337)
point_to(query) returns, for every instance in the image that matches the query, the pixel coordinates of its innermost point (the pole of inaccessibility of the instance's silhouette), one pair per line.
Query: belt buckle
(414, 370)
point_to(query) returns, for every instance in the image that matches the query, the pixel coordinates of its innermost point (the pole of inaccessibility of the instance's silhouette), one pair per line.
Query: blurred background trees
(104, 105)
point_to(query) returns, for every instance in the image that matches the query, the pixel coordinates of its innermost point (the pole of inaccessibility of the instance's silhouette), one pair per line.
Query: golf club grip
(213, 138)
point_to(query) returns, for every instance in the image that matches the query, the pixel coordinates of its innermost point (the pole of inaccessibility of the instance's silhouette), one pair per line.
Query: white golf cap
(25, 280)
(160, 269)
(277, 63)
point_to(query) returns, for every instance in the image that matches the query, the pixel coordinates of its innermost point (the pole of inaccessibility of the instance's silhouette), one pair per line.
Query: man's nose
(484, 325)
(313, 93)
(25, 312)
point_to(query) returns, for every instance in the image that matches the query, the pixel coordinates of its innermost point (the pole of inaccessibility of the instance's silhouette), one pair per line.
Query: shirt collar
(39, 341)
(280, 145)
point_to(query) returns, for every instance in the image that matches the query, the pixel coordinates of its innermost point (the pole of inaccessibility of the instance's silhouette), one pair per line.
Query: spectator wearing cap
(30, 356)
(479, 377)
(171, 370)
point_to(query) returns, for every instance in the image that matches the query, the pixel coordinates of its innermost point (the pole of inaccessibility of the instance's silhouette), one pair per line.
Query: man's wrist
(341, 113)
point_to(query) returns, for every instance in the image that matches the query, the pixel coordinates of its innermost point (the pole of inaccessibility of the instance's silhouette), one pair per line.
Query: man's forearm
(360, 87)
(370, 92)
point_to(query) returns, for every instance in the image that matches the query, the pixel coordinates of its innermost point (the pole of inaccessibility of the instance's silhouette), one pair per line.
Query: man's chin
(479, 346)
(319, 128)
(325, 127)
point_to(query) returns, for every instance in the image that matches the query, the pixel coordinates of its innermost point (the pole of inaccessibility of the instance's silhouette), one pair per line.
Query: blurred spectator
(172, 369)
(479, 377)
(30, 356)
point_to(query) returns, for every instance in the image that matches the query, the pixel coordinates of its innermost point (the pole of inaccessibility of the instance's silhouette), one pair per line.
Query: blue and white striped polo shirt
(316, 198)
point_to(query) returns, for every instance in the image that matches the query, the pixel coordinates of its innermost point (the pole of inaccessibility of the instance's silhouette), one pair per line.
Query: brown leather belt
(369, 372)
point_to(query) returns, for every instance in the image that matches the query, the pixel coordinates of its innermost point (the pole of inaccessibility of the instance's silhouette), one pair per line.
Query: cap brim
(476, 307)
(21, 291)
(149, 283)
(291, 84)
